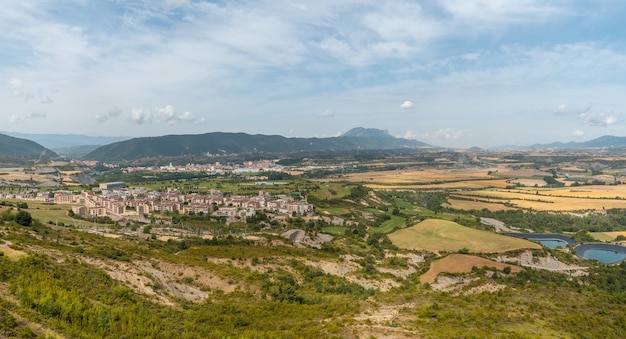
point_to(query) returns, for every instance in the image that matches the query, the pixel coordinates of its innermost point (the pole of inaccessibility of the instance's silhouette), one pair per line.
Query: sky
(453, 73)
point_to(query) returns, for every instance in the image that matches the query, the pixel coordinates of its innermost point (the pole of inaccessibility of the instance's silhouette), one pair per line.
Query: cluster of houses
(139, 201)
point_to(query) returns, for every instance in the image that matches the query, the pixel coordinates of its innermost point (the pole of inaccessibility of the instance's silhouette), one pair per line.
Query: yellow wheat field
(548, 200)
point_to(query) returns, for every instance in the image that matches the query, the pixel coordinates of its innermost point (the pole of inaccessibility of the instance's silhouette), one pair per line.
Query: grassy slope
(442, 235)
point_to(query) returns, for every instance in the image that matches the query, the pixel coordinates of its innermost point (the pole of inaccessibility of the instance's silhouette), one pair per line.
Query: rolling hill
(60, 141)
(242, 143)
(606, 141)
(23, 148)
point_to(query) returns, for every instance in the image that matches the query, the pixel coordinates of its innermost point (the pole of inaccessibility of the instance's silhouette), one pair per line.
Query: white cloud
(17, 87)
(188, 116)
(578, 133)
(599, 119)
(327, 114)
(410, 135)
(407, 106)
(484, 13)
(18, 90)
(35, 115)
(166, 113)
(561, 109)
(114, 113)
(139, 117)
(564, 109)
(446, 134)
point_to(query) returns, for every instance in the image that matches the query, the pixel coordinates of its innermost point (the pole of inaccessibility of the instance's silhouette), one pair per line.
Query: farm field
(461, 263)
(530, 182)
(601, 236)
(389, 225)
(607, 236)
(55, 213)
(21, 175)
(597, 191)
(447, 236)
(450, 185)
(417, 176)
(476, 205)
(547, 200)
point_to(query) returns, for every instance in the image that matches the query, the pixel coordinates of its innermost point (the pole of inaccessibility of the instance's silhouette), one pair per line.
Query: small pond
(546, 239)
(550, 243)
(605, 253)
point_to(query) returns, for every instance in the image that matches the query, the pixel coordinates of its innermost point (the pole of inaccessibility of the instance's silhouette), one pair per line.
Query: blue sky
(457, 73)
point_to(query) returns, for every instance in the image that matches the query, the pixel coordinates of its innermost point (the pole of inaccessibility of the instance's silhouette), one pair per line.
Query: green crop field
(442, 235)
(334, 230)
(389, 225)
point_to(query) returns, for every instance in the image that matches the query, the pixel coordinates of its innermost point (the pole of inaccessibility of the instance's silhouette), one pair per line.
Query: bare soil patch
(527, 259)
(461, 263)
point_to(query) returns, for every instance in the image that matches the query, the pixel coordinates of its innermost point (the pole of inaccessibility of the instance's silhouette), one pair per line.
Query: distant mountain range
(23, 148)
(241, 143)
(607, 141)
(113, 149)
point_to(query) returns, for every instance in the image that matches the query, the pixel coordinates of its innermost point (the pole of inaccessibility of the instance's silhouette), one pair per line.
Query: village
(118, 201)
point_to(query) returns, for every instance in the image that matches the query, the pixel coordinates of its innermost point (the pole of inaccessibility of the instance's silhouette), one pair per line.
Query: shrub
(23, 218)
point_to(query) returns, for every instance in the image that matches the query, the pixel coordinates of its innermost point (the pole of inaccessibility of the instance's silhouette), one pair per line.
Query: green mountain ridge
(23, 148)
(242, 143)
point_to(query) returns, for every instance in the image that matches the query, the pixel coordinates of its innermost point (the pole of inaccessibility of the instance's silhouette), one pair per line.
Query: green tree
(23, 218)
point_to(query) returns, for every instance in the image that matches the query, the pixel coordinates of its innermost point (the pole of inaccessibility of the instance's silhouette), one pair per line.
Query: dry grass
(11, 253)
(436, 235)
(54, 213)
(461, 263)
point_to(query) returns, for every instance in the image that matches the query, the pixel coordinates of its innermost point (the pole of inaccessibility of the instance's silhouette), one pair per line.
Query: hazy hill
(59, 141)
(23, 148)
(361, 132)
(75, 152)
(607, 141)
(241, 143)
